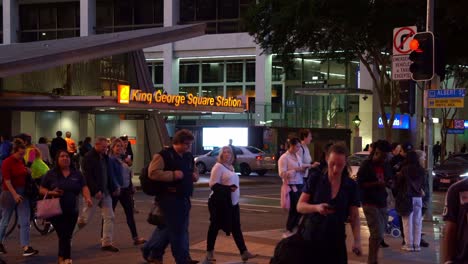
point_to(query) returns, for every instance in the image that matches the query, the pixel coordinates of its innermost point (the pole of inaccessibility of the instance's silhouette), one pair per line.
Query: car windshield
(254, 150)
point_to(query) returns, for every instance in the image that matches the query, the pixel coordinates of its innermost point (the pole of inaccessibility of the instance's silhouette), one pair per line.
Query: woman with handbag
(66, 183)
(328, 201)
(224, 205)
(122, 173)
(291, 170)
(408, 203)
(14, 182)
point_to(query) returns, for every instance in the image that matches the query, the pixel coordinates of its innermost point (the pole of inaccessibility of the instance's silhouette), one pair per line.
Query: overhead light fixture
(102, 110)
(150, 110)
(50, 111)
(112, 108)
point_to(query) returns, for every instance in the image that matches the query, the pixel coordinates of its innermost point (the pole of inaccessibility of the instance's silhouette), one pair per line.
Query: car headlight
(464, 174)
(433, 173)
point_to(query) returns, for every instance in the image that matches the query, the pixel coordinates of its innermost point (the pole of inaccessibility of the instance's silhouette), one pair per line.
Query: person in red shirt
(14, 181)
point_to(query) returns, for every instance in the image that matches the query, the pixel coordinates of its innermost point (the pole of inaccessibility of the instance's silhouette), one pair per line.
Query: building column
(368, 105)
(262, 86)
(10, 21)
(87, 17)
(170, 64)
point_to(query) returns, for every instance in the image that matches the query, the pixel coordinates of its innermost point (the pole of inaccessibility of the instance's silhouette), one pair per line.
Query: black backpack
(148, 186)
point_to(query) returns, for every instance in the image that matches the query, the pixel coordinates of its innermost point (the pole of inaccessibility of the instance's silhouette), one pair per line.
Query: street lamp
(356, 121)
(357, 140)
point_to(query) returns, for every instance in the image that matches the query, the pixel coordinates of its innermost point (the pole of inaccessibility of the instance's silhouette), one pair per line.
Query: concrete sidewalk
(263, 243)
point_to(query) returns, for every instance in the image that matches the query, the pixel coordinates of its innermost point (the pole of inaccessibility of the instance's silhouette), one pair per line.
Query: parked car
(355, 161)
(248, 159)
(453, 169)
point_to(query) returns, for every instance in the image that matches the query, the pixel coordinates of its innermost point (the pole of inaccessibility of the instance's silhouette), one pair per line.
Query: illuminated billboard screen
(219, 136)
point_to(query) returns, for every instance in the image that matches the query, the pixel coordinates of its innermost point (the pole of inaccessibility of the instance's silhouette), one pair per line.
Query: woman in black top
(67, 183)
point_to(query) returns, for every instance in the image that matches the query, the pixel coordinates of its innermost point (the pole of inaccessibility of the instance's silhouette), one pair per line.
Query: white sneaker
(287, 234)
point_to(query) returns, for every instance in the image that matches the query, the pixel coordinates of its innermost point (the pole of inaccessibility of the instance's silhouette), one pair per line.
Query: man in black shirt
(372, 177)
(455, 239)
(57, 144)
(436, 151)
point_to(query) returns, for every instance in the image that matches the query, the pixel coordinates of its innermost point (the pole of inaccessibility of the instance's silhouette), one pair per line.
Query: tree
(341, 30)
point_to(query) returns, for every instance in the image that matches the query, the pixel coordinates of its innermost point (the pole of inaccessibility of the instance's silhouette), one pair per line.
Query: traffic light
(422, 56)
(407, 97)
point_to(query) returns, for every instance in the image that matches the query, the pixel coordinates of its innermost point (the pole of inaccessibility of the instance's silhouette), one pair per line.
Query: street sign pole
(434, 84)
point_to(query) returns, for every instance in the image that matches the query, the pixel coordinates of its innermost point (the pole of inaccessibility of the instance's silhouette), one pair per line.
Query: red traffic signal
(422, 56)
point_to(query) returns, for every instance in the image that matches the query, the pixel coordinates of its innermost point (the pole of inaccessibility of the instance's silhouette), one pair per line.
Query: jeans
(64, 225)
(126, 200)
(176, 214)
(413, 224)
(293, 216)
(236, 232)
(376, 221)
(107, 214)
(24, 216)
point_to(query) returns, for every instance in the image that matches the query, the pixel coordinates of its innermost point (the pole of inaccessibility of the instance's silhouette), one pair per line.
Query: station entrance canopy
(24, 58)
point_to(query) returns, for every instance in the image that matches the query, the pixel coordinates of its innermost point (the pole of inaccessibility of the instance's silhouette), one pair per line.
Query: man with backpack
(174, 171)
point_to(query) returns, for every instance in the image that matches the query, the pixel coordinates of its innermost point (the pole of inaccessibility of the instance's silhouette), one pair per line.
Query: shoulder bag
(47, 208)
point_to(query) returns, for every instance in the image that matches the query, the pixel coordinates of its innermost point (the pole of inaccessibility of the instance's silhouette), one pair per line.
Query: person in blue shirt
(331, 198)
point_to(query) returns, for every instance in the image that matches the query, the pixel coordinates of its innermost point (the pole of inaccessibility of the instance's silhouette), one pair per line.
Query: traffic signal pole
(429, 126)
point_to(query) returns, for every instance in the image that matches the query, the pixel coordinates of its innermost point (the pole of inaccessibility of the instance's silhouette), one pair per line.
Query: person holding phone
(292, 170)
(328, 200)
(224, 205)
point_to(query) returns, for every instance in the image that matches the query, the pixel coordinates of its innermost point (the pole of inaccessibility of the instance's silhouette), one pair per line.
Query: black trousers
(293, 216)
(64, 225)
(236, 232)
(126, 200)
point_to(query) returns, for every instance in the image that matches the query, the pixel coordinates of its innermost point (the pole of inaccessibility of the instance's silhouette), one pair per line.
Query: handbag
(155, 216)
(47, 208)
(292, 249)
(404, 204)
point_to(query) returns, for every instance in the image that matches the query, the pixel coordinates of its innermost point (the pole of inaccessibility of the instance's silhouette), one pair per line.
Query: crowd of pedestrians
(320, 197)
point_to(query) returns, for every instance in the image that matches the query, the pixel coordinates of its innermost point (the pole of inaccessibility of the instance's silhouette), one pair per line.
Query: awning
(329, 91)
(32, 56)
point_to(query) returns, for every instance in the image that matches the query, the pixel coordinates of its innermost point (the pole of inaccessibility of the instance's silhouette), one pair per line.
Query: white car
(355, 161)
(248, 159)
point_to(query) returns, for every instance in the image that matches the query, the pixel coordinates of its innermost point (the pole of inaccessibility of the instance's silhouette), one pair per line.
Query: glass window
(250, 71)
(29, 16)
(276, 98)
(28, 36)
(337, 74)
(47, 17)
(104, 14)
(143, 12)
(213, 72)
(206, 10)
(212, 91)
(314, 70)
(159, 11)
(122, 13)
(158, 73)
(233, 91)
(67, 34)
(47, 35)
(234, 71)
(228, 9)
(228, 27)
(189, 90)
(187, 10)
(189, 73)
(66, 16)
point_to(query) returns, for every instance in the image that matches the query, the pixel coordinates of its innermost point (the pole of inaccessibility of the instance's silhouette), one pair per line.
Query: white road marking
(261, 197)
(243, 209)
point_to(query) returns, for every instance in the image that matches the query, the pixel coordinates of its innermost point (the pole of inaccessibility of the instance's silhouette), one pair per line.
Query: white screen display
(219, 136)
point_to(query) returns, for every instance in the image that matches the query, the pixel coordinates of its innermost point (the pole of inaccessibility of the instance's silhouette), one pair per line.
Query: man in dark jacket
(102, 185)
(373, 176)
(57, 144)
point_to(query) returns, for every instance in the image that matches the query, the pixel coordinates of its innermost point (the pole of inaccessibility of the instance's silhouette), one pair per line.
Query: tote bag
(47, 208)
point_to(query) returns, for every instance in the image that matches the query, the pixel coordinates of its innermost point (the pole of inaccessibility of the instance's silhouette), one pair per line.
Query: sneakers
(407, 248)
(29, 252)
(287, 234)
(424, 243)
(2, 249)
(417, 248)
(110, 248)
(138, 241)
(246, 255)
(383, 244)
